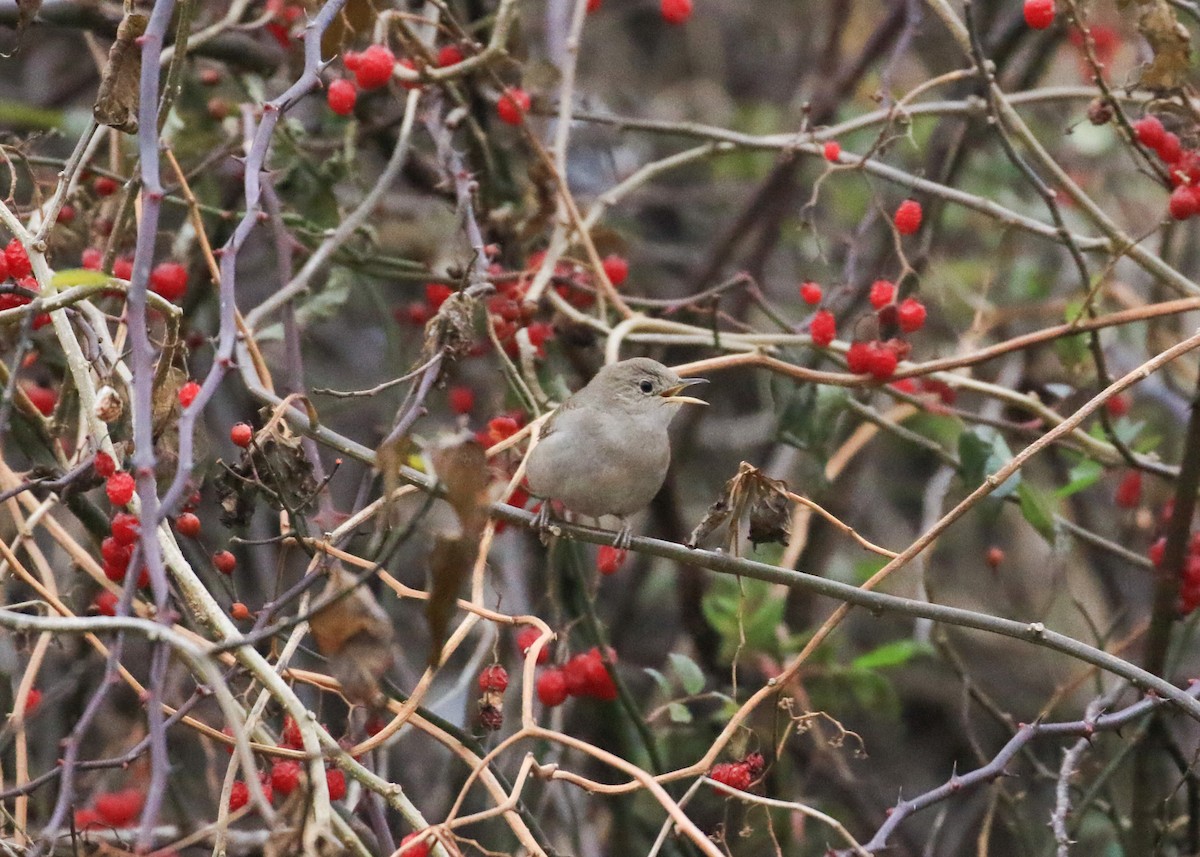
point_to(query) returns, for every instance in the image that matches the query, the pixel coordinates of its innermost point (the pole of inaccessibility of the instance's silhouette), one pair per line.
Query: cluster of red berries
(1183, 166)
(738, 775)
(876, 358)
(167, 279)
(15, 265)
(584, 675)
(1039, 14)
(111, 809)
(1189, 584)
(372, 69)
(285, 774)
(493, 681)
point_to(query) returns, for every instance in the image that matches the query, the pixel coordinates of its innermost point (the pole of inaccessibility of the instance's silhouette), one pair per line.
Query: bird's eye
(646, 387)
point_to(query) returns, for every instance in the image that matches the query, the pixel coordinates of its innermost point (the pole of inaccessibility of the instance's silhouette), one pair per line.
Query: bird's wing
(551, 425)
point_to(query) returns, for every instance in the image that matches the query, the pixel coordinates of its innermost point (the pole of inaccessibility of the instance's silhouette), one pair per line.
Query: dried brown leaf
(355, 635)
(357, 16)
(117, 100)
(1169, 41)
(749, 492)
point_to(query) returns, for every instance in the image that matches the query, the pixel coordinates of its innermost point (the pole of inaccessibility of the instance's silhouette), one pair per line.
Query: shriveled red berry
(1150, 131)
(188, 525)
(104, 465)
(609, 559)
(513, 105)
(170, 280)
(224, 562)
(910, 315)
(436, 294)
(119, 488)
(418, 848)
(810, 293)
(336, 781)
(449, 55)
(341, 97)
(832, 151)
(676, 11)
(526, 637)
(822, 328)
(494, 678)
(104, 186)
(119, 809)
(188, 393)
(552, 688)
(374, 67)
(17, 260)
(285, 776)
(241, 434)
(736, 775)
(1129, 491)
(125, 527)
(616, 268)
(882, 293)
(1039, 14)
(462, 400)
(908, 217)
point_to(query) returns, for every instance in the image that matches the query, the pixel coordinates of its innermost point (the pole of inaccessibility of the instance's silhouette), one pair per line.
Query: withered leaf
(117, 100)
(274, 470)
(462, 467)
(355, 635)
(452, 330)
(1170, 43)
(357, 16)
(26, 11)
(718, 513)
(770, 516)
(749, 492)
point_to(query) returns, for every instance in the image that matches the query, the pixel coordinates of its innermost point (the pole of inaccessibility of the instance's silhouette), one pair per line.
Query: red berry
(882, 361)
(858, 357)
(123, 268)
(736, 775)
(908, 217)
(32, 700)
(598, 684)
(1039, 14)
(336, 781)
(17, 260)
(539, 332)
(1169, 148)
(994, 557)
(91, 259)
(240, 612)
(119, 488)
(241, 434)
(822, 328)
(290, 737)
(374, 67)
(66, 215)
(417, 849)
(224, 561)
(502, 428)
(616, 268)
(285, 776)
(104, 465)
(810, 293)
(1150, 131)
(341, 97)
(239, 796)
(910, 315)
(1117, 406)
(119, 809)
(609, 559)
(593, 5)
(1129, 492)
(1183, 203)
(188, 525)
(436, 294)
(115, 553)
(526, 637)
(462, 400)
(42, 398)
(1157, 550)
(493, 678)
(833, 151)
(104, 186)
(125, 527)
(106, 603)
(449, 55)
(513, 105)
(882, 293)
(416, 313)
(552, 688)
(170, 280)
(676, 11)
(4, 266)
(188, 393)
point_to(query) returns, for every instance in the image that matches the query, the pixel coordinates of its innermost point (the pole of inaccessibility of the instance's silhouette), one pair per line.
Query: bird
(606, 450)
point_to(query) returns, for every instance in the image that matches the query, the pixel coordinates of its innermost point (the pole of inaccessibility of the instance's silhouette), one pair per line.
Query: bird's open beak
(672, 394)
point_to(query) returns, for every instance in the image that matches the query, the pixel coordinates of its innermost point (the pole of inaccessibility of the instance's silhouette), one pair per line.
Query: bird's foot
(624, 539)
(543, 525)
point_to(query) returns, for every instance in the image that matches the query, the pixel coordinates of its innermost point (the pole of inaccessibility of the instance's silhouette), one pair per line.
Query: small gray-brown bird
(606, 450)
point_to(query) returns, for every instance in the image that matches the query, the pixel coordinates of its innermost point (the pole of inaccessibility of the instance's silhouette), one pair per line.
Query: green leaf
(679, 713)
(72, 277)
(894, 654)
(1038, 508)
(691, 677)
(983, 451)
(810, 418)
(1071, 350)
(664, 684)
(873, 691)
(1083, 475)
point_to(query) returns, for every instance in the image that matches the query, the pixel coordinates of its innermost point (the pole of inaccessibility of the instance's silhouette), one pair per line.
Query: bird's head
(641, 386)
